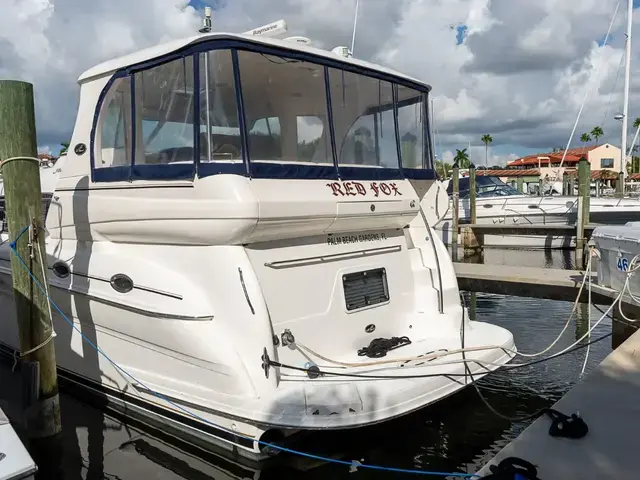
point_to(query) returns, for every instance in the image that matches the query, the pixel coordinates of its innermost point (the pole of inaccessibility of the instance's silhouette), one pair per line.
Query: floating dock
(15, 461)
(607, 400)
(548, 283)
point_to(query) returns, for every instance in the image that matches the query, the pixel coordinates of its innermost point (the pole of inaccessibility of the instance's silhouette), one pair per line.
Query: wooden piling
(584, 181)
(456, 205)
(620, 185)
(565, 184)
(520, 184)
(471, 241)
(23, 198)
(472, 194)
(540, 193)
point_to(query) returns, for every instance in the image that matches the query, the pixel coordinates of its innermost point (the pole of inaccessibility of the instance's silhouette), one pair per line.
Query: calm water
(457, 434)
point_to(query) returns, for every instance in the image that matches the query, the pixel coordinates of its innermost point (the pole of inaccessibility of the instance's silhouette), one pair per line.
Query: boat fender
(566, 426)
(513, 468)
(312, 370)
(380, 346)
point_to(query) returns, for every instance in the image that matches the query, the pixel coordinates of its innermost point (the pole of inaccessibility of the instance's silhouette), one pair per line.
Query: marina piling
(21, 176)
(620, 185)
(540, 192)
(520, 184)
(471, 240)
(472, 193)
(455, 205)
(584, 181)
(565, 183)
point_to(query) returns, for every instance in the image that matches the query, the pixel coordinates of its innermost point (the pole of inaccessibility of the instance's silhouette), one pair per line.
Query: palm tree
(636, 122)
(597, 133)
(462, 158)
(65, 147)
(585, 138)
(486, 139)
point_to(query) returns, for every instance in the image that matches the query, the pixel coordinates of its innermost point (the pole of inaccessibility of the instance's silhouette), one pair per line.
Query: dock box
(618, 245)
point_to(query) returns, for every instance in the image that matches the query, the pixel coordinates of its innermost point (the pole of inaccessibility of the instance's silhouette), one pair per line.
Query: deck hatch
(366, 288)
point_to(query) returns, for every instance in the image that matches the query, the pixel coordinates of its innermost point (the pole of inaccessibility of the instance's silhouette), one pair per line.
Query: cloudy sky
(516, 69)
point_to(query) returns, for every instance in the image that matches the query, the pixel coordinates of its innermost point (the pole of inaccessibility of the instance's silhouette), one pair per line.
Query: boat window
(411, 128)
(285, 109)
(220, 139)
(363, 120)
(485, 187)
(165, 113)
(114, 147)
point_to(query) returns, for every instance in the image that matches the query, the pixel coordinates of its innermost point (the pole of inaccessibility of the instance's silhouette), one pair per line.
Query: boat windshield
(265, 115)
(485, 187)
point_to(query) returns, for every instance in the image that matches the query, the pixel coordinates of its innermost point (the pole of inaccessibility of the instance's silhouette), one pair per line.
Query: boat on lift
(234, 200)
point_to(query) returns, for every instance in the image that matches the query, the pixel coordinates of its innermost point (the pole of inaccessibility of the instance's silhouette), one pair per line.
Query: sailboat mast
(627, 78)
(355, 26)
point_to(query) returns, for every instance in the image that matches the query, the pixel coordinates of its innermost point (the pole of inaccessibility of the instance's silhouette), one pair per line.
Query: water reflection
(456, 434)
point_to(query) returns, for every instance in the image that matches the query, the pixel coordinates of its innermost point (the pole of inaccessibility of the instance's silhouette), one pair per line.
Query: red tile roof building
(572, 157)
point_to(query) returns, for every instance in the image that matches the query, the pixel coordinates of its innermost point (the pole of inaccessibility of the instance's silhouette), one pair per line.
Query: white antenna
(206, 28)
(355, 25)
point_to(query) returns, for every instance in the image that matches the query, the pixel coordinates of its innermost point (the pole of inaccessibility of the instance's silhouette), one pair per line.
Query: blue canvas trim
(169, 171)
(370, 173)
(133, 123)
(427, 132)
(394, 94)
(244, 133)
(207, 169)
(332, 133)
(263, 169)
(112, 174)
(420, 173)
(293, 171)
(376, 134)
(96, 115)
(196, 113)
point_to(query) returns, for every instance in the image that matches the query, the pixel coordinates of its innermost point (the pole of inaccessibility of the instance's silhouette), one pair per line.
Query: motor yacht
(244, 225)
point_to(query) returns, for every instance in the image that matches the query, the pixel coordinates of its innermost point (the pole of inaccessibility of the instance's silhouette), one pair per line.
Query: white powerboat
(230, 201)
(500, 204)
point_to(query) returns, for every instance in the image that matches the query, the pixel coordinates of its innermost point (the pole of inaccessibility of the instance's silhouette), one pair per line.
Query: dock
(547, 283)
(542, 229)
(15, 461)
(607, 400)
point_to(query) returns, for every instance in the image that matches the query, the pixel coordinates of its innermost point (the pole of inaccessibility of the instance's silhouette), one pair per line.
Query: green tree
(443, 168)
(634, 165)
(462, 158)
(596, 133)
(585, 138)
(487, 140)
(65, 148)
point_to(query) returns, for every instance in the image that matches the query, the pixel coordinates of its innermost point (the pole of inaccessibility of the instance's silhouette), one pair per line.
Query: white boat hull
(188, 367)
(528, 210)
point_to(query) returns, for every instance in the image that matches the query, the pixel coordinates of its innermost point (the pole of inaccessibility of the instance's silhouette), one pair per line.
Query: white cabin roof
(162, 49)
